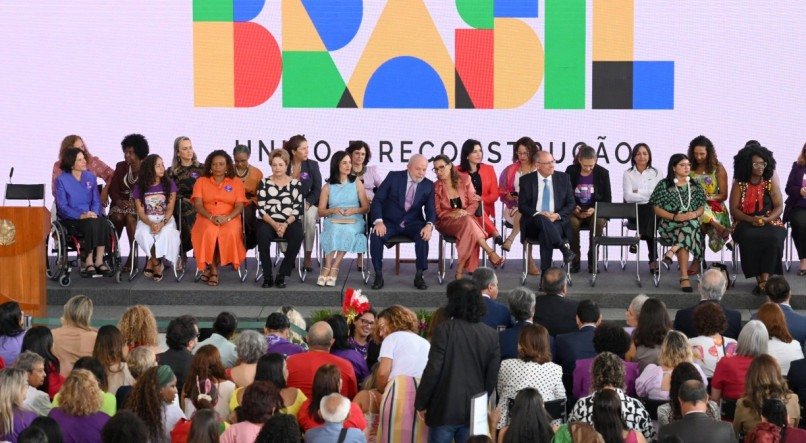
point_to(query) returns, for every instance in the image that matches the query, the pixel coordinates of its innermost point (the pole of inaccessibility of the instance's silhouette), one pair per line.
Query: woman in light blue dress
(342, 205)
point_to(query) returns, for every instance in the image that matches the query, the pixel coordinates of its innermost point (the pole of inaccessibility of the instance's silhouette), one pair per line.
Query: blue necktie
(545, 206)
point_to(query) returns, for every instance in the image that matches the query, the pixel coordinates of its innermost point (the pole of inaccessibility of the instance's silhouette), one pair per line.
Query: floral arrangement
(424, 318)
(355, 304)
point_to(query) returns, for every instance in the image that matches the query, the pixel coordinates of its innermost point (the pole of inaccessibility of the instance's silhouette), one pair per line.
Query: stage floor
(613, 291)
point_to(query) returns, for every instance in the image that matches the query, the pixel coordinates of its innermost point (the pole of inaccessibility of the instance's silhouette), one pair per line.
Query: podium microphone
(5, 194)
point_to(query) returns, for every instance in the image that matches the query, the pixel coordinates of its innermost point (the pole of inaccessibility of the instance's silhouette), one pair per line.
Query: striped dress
(398, 421)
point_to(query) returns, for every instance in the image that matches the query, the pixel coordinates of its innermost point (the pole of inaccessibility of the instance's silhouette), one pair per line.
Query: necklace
(130, 178)
(242, 176)
(687, 206)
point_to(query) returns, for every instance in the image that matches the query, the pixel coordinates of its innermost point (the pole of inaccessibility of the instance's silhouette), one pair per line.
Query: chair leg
(397, 259)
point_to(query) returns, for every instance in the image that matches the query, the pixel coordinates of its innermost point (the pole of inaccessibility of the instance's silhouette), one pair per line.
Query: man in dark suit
(796, 378)
(497, 315)
(778, 291)
(404, 205)
(577, 345)
(552, 310)
(546, 202)
(696, 426)
(712, 287)
(181, 336)
(522, 306)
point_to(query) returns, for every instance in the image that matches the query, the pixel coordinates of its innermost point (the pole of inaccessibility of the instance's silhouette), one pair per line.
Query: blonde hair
(400, 318)
(78, 312)
(80, 395)
(140, 360)
(12, 383)
(674, 350)
(281, 153)
(138, 326)
(176, 162)
(296, 319)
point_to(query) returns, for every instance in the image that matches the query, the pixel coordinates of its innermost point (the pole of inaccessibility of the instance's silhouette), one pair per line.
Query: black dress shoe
(378, 282)
(279, 282)
(267, 282)
(568, 255)
(574, 268)
(307, 268)
(419, 281)
(498, 240)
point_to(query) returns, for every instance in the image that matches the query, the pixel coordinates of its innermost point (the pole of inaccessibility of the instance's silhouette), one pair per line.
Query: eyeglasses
(439, 168)
(759, 165)
(366, 322)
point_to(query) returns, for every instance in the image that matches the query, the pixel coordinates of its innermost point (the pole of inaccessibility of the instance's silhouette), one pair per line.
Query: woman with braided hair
(153, 400)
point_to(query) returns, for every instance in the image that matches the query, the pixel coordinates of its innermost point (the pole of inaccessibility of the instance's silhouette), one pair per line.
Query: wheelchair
(62, 241)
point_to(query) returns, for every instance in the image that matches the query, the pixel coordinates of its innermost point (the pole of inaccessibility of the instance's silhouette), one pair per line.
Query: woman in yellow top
(272, 367)
(251, 178)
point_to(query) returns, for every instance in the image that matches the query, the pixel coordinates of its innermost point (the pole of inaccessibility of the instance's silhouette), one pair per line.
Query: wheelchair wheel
(64, 280)
(55, 256)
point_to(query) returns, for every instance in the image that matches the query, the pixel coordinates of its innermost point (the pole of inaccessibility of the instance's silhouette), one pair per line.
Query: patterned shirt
(279, 202)
(633, 411)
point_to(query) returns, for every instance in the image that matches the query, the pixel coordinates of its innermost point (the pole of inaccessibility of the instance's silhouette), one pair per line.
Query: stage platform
(613, 291)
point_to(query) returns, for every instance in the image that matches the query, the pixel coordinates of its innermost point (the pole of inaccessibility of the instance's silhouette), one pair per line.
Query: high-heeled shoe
(507, 244)
(323, 276)
(496, 260)
(667, 259)
(688, 288)
(331, 279)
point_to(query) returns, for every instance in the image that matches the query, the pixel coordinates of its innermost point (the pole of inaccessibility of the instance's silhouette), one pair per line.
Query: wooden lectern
(22, 262)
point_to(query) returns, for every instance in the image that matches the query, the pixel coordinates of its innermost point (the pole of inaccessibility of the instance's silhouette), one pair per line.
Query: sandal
(88, 272)
(148, 271)
(205, 277)
(332, 277)
(212, 280)
(157, 273)
(507, 245)
(323, 277)
(653, 268)
(759, 289)
(496, 263)
(686, 288)
(802, 272)
(104, 270)
(667, 259)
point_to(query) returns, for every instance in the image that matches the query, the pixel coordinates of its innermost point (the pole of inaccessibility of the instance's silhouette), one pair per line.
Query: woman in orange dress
(456, 203)
(217, 235)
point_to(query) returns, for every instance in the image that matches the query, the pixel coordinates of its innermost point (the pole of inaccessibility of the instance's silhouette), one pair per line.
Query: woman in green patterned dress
(712, 177)
(679, 204)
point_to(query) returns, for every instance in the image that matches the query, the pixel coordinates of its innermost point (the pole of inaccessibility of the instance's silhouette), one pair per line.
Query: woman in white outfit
(154, 198)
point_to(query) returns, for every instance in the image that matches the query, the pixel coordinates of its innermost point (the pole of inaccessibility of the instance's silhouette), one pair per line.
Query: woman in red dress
(456, 203)
(482, 176)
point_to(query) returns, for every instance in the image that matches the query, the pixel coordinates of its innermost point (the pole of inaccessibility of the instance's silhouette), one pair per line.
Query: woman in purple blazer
(795, 211)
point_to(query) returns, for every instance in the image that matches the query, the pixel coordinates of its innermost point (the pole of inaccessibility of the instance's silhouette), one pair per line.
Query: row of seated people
(644, 363)
(460, 204)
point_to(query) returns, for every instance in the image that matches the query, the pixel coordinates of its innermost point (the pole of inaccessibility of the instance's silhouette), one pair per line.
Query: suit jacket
(179, 361)
(311, 180)
(489, 187)
(795, 322)
(797, 378)
(697, 427)
(574, 346)
(497, 314)
(465, 191)
(508, 340)
(463, 361)
(684, 321)
(601, 182)
(562, 191)
(390, 199)
(556, 313)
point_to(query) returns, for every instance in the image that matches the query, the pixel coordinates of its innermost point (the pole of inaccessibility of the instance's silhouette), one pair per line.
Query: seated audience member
(482, 177)
(251, 346)
(224, 328)
(711, 289)
(795, 203)
(670, 412)
(779, 292)
(763, 381)
(334, 409)
(48, 427)
(185, 169)
(327, 381)
(206, 368)
(552, 310)
(361, 332)
(181, 336)
(781, 345)
(497, 315)
(404, 205)
(11, 332)
(261, 400)
(139, 361)
(94, 164)
(306, 171)
(39, 340)
(205, 424)
(251, 178)
(532, 369)
(524, 161)
(608, 373)
(122, 212)
(272, 367)
(13, 417)
(653, 324)
(343, 349)
(34, 365)
(528, 419)
(108, 402)
(632, 312)
(591, 184)
(730, 372)
(368, 400)
(465, 351)
(608, 337)
(522, 306)
(577, 345)
(139, 328)
(302, 367)
(797, 377)
(638, 182)
(124, 427)
(774, 425)
(280, 428)
(153, 399)
(111, 351)
(79, 411)
(608, 418)
(217, 234)
(708, 172)
(277, 332)
(709, 346)
(655, 377)
(78, 207)
(75, 338)
(695, 425)
(546, 217)
(154, 198)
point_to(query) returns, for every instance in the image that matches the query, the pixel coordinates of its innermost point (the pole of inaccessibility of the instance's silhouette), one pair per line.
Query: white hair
(713, 285)
(334, 408)
(637, 303)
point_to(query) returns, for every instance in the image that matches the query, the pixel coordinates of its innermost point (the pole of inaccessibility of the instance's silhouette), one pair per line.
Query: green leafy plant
(321, 315)
(424, 317)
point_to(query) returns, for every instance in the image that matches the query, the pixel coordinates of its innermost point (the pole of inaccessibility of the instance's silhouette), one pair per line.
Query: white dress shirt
(541, 188)
(638, 186)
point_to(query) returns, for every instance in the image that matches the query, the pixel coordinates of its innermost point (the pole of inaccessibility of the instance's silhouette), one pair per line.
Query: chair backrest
(25, 192)
(616, 210)
(728, 408)
(652, 406)
(556, 409)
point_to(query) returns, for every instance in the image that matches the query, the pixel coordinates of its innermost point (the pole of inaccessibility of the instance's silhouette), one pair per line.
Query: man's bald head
(320, 336)
(545, 163)
(417, 167)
